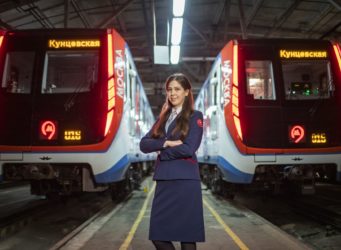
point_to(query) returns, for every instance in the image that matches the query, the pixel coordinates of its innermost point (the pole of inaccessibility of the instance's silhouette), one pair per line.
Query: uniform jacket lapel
(171, 127)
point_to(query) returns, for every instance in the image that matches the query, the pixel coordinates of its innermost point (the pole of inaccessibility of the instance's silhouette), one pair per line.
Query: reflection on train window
(307, 79)
(260, 83)
(70, 72)
(18, 70)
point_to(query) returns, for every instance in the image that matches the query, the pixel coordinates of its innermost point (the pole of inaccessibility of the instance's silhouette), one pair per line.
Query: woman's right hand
(173, 143)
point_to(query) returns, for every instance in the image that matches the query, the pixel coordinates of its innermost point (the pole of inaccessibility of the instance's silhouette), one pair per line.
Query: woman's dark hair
(182, 122)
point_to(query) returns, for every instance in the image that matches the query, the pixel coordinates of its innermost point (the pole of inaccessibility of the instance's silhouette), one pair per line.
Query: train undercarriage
(277, 179)
(53, 180)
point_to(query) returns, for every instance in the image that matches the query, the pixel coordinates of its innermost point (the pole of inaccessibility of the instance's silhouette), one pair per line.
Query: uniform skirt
(177, 213)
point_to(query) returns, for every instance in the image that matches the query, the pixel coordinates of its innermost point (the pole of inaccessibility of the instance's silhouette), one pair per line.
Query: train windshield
(259, 78)
(307, 80)
(69, 72)
(18, 71)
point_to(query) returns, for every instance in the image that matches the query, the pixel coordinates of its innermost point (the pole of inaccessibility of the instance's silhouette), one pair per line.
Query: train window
(18, 71)
(213, 90)
(260, 81)
(304, 80)
(132, 80)
(69, 72)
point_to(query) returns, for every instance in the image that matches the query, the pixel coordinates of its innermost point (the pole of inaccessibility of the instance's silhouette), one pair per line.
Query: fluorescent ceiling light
(176, 30)
(178, 7)
(175, 54)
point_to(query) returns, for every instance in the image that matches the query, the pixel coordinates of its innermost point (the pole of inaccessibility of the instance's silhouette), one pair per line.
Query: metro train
(73, 110)
(272, 116)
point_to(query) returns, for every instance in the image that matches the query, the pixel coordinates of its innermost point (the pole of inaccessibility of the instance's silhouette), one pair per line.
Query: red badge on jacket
(199, 122)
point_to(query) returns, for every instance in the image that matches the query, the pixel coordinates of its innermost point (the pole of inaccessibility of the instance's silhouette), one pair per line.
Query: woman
(177, 213)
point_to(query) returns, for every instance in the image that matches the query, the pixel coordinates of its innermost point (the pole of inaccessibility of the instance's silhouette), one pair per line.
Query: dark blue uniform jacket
(179, 162)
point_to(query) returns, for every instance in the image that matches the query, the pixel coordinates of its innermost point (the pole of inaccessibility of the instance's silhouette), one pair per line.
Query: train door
(132, 89)
(214, 93)
(261, 116)
(18, 67)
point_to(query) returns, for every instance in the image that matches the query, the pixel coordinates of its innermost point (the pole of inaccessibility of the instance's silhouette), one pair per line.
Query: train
(272, 116)
(73, 110)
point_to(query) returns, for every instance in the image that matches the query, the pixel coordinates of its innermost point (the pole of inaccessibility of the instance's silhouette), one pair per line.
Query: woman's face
(176, 93)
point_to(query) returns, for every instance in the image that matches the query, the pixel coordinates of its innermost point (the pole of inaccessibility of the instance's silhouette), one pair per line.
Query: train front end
(282, 106)
(60, 107)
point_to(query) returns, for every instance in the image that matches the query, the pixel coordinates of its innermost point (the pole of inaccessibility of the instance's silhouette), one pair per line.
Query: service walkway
(125, 226)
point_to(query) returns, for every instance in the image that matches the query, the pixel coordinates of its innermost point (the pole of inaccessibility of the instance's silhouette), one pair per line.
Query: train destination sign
(71, 44)
(302, 53)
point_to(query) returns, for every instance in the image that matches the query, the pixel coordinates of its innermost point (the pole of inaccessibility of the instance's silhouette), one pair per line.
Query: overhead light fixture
(176, 30)
(178, 8)
(175, 54)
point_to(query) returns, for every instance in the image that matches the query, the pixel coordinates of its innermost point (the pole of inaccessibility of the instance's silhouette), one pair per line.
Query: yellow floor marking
(137, 222)
(227, 229)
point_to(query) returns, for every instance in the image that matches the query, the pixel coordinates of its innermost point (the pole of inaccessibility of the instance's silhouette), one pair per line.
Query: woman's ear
(186, 92)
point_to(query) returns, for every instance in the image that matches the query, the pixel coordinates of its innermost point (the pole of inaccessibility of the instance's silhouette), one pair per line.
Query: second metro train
(73, 110)
(272, 115)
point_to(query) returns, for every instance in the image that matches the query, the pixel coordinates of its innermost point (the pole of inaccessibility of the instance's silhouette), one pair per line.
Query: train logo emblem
(48, 130)
(199, 122)
(296, 134)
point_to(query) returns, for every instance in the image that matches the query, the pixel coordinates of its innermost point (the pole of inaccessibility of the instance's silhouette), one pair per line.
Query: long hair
(182, 121)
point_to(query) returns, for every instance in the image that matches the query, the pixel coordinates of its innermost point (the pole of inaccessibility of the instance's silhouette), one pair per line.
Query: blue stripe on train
(230, 172)
(115, 173)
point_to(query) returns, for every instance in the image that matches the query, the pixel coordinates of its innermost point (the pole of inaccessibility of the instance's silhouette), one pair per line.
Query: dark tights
(168, 245)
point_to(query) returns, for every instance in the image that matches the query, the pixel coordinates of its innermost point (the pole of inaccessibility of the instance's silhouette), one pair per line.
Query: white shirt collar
(178, 110)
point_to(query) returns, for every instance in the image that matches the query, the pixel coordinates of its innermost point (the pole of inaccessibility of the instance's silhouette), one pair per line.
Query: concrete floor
(227, 226)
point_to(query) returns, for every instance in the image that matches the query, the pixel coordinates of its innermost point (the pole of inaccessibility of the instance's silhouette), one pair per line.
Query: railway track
(322, 207)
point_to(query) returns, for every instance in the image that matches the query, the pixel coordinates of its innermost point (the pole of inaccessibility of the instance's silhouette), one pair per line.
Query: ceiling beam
(66, 13)
(81, 14)
(227, 18)
(253, 13)
(329, 32)
(5, 25)
(117, 12)
(314, 25)
(283, 17)
(8, 5)
(38, 14)
(199, 33)
(147, 27)
(242, 19)
(219, 12)
(193, 75)
(335, 4)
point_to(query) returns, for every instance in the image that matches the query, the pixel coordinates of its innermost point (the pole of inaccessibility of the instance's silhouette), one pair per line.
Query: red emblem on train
(199, 122)
(297, 134)
(48, 130)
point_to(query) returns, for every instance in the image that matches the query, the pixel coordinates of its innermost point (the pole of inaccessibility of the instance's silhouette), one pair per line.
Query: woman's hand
(172, 143)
